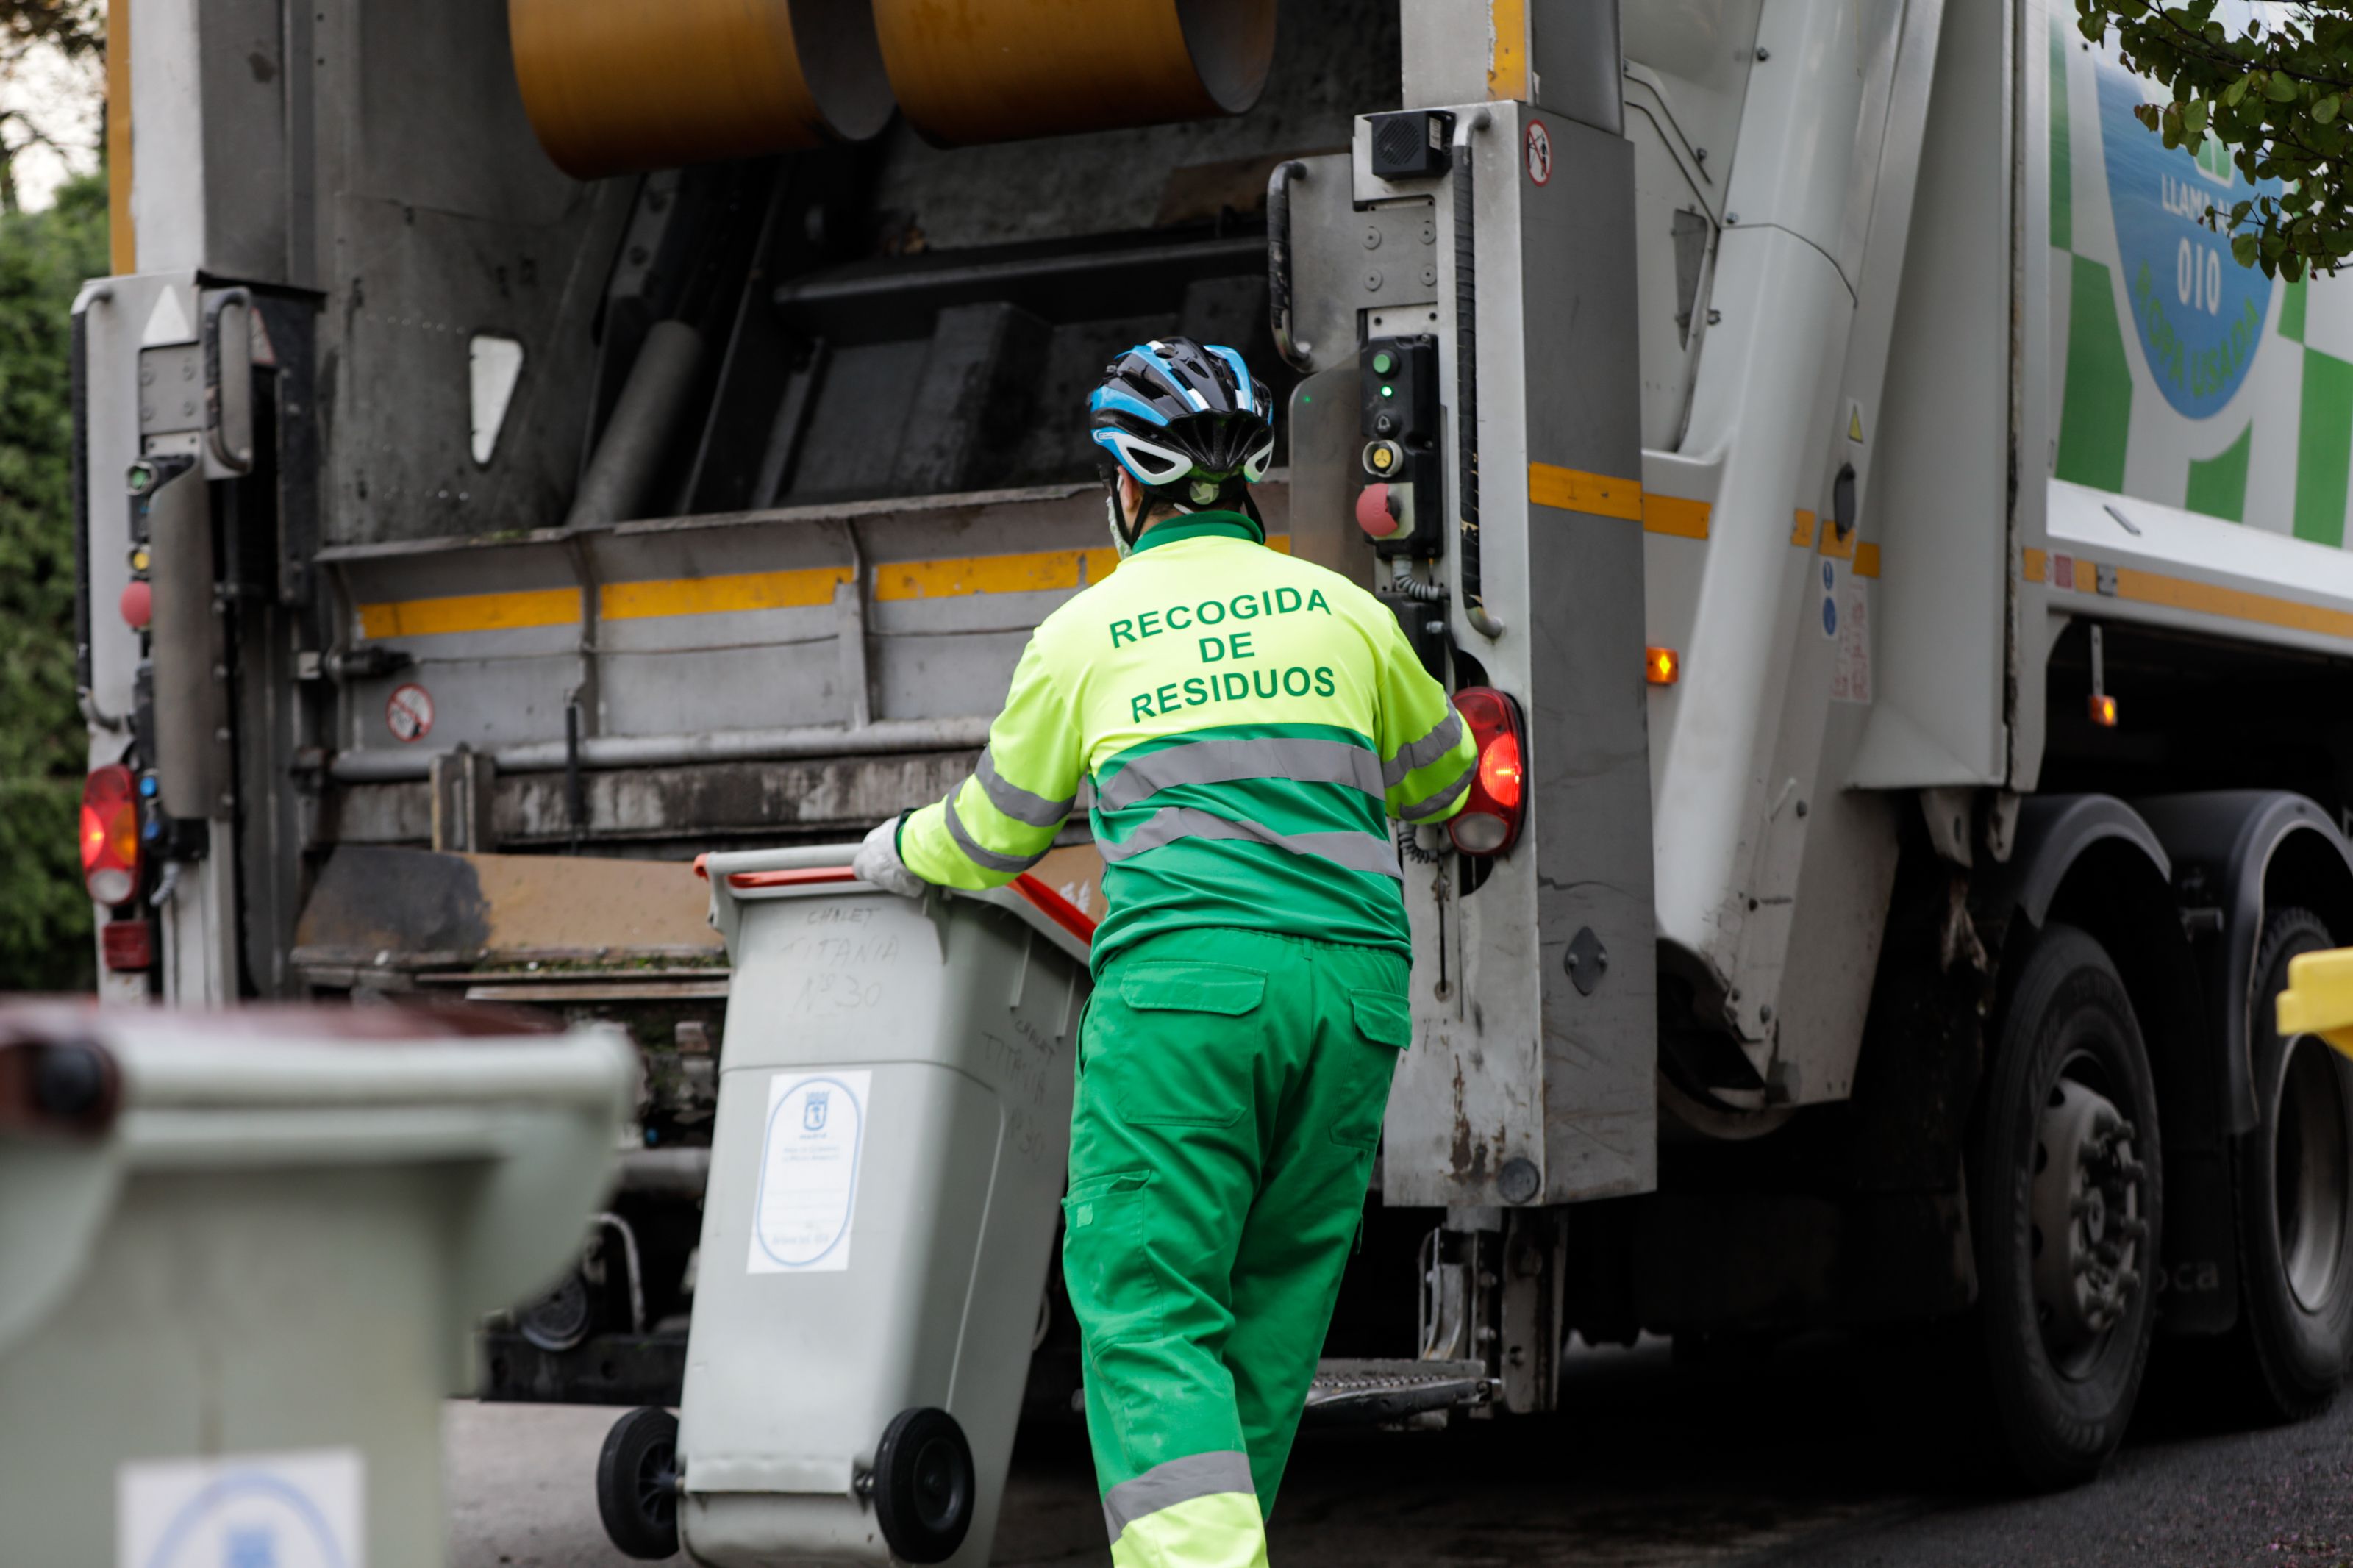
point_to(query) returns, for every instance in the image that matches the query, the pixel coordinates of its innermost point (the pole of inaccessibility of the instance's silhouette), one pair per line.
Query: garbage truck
(1895, 554)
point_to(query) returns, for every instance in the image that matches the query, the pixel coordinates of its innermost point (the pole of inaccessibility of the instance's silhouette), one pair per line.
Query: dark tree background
(45, 925)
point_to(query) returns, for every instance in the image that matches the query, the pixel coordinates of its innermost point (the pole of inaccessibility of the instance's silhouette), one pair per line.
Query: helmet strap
(1124, 531)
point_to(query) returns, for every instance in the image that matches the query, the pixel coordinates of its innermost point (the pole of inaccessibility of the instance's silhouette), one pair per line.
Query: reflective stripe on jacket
(1248, 723)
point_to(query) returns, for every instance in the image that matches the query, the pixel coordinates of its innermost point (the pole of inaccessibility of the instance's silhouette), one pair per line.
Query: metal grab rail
(1278, 264)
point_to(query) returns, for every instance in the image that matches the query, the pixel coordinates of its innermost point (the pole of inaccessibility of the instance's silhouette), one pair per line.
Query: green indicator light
(1382, 364)
(1388, 391)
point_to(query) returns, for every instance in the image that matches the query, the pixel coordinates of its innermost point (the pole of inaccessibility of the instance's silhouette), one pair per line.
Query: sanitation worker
(1249, 723)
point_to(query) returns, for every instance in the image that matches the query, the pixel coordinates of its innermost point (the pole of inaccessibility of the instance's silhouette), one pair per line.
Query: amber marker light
(1662, 666)
(2103, 710)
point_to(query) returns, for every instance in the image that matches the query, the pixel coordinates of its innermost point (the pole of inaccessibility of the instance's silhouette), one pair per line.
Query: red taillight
(1499, 771)
(109, 834)
(1489, 822)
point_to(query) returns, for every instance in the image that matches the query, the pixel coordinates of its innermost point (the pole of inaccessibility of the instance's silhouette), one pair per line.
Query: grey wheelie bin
(242, 1258)
(886, 1170)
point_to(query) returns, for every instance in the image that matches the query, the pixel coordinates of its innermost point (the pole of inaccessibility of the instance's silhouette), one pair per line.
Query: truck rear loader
(525, 448)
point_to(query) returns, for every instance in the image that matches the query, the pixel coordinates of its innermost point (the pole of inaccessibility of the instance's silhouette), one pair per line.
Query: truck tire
(2295, 1219)
(2068, 1203)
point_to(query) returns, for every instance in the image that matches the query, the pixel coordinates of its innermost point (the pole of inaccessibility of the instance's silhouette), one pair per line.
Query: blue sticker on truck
(2199, 313)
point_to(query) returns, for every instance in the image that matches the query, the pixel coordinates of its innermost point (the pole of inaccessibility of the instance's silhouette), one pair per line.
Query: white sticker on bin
(808, 1172)
(299, 1510)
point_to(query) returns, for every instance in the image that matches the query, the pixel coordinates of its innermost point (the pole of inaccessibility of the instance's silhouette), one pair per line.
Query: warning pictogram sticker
(1539, 151)
(408, 712)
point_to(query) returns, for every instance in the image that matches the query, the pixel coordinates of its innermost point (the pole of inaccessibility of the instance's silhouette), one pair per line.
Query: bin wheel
(637, 1484)
(924, 1488)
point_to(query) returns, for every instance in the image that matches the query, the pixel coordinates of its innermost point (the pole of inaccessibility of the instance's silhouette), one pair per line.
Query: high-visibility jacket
(1247, 721)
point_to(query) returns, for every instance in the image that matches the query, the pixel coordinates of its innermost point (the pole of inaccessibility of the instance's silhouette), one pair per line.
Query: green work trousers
(1231, 1090)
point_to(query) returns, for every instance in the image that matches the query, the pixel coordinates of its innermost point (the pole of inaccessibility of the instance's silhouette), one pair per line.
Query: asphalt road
(1822, 1454)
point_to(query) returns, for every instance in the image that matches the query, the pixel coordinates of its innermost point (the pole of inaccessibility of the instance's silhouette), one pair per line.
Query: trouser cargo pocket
(1104, 1260)
(1365, 1060)
(1169, 1032)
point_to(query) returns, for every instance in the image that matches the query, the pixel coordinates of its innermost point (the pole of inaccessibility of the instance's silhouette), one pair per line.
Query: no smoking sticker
(408, 712)
(1539, 151)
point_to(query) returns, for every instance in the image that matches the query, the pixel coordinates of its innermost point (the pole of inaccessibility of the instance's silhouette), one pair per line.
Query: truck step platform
(1365, 1393)
(648, 1369)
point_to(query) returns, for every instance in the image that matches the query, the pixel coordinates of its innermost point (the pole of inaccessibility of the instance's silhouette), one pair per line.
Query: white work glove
(877, 862)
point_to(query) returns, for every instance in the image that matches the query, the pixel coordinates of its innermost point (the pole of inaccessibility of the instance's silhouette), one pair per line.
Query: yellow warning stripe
(2143, 587)
(714, 596)
(1866, 556)
(1673, 515)
(471, 613)
(1036, 571)
(1507, 59)
(1032, 572)
(1572, 491)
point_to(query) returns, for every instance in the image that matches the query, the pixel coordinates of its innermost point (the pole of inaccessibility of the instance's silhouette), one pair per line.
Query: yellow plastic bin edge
(2320, 997)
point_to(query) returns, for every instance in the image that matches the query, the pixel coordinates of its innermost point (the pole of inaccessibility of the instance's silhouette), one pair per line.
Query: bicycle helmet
(1187, 422)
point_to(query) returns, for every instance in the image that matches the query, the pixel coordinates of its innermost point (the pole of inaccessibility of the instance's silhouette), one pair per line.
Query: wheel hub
(561, 1318)
(2088, 1223)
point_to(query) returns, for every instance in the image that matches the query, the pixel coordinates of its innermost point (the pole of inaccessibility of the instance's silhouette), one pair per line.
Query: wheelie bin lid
(803, 870)
(91, 1096)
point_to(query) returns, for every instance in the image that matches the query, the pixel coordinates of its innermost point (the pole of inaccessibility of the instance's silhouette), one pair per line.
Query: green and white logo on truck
(2186, 379)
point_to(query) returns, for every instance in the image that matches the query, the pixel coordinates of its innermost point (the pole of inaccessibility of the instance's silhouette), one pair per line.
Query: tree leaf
(2325, 109)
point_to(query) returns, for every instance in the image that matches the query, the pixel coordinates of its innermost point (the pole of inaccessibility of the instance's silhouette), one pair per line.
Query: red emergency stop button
(138, 605)
(1377, 512)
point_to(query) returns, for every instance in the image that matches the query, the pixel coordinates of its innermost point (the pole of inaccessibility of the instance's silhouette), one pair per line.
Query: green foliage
(45, 925)
(2274, 94)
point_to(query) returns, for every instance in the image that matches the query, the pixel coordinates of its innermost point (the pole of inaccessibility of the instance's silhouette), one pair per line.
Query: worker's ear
(1131, 498)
